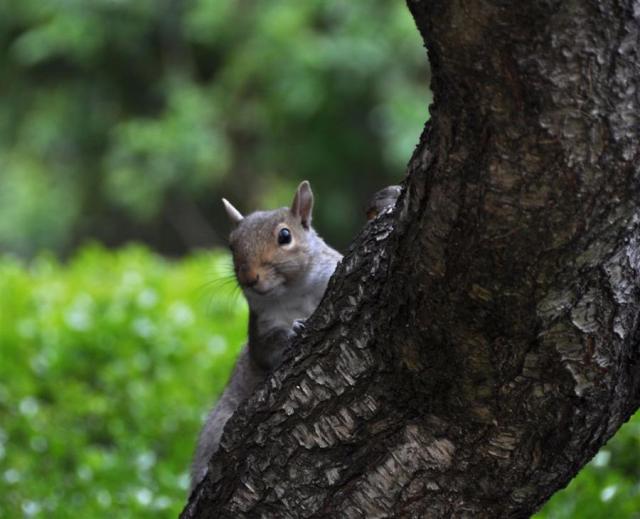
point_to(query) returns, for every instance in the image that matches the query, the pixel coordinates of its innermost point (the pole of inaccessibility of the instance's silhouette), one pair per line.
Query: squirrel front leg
(267, 348)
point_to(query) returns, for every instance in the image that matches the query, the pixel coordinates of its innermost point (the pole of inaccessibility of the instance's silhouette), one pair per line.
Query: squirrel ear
(234, 215)
(302, 204)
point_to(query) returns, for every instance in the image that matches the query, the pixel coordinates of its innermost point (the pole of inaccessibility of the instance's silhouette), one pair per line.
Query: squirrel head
(272, 249)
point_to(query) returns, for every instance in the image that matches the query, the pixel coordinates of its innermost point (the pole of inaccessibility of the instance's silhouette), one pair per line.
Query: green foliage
(118, 115)
(110, 362)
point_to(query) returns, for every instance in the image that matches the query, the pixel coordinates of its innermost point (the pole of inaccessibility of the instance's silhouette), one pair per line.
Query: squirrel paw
(298, 326)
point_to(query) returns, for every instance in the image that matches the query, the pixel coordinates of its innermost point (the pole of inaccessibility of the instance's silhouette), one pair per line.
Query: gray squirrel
(283, 268)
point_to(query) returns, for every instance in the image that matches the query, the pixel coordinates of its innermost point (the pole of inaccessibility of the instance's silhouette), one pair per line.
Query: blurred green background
(126, 121)
(129, 120)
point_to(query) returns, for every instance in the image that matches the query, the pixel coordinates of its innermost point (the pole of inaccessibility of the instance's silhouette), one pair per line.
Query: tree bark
(478, 344)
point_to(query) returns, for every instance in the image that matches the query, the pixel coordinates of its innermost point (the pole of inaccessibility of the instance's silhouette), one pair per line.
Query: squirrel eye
(284, 236)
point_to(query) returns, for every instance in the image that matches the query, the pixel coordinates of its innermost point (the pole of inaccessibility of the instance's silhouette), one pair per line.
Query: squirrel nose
(252, 280)
(248, 276)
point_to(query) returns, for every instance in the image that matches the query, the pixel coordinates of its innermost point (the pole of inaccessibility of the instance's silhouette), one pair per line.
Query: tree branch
(477, 346)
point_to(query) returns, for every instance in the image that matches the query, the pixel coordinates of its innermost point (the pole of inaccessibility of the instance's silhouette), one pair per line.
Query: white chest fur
(282, 314)
(280, 310)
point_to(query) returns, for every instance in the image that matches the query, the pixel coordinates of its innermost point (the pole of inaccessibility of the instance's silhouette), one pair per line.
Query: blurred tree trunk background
(480, 344)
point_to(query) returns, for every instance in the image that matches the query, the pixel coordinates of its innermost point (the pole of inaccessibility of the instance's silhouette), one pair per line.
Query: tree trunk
(479, 344)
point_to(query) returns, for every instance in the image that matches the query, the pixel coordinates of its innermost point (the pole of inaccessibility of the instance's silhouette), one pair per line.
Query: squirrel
(283, 268)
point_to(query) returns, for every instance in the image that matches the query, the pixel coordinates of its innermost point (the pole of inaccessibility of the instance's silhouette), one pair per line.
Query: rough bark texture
(480, 343)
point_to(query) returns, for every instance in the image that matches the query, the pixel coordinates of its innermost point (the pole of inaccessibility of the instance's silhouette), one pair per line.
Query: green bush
(108, 364)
